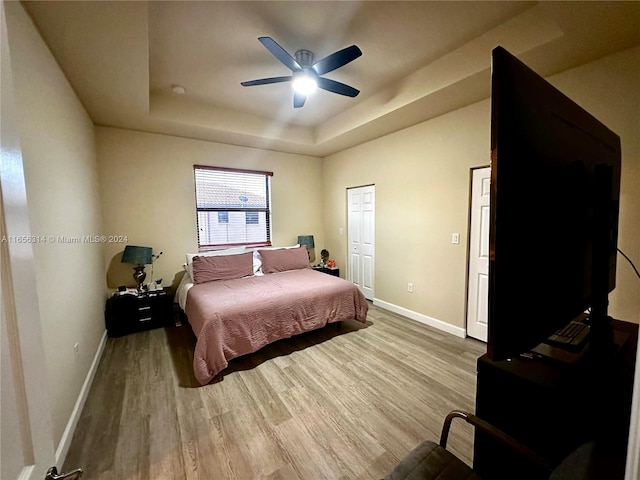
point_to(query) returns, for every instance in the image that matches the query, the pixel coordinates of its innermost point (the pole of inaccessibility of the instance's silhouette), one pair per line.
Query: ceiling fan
(306, 74)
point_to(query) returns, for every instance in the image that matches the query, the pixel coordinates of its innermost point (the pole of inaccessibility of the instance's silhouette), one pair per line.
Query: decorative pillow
(212, 253)
(257, 260)
(222, 267)
(283, 259)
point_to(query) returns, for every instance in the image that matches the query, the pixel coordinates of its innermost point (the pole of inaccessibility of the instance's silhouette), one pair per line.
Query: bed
(281, 296)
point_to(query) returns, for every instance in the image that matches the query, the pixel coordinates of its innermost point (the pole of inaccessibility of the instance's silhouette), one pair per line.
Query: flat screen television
(555, 186)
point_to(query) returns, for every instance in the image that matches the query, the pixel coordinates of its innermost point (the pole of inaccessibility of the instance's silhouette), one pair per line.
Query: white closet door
(361, 231)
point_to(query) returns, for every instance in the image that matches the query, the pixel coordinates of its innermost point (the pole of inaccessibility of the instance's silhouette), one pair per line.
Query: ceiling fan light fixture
(306, 75)
(304, 83)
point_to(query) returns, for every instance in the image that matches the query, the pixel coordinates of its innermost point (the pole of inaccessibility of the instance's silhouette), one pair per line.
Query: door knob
(52, 474)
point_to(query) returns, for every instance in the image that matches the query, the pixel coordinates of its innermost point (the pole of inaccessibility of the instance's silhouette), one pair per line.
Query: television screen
(555, 183)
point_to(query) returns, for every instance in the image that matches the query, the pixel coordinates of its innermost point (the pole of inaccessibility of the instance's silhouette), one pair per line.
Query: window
(233, 207)
(251, 218)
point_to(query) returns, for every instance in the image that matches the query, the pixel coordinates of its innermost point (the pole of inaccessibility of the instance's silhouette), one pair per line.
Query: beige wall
(148, 194)
(422, 177)
(57, 140)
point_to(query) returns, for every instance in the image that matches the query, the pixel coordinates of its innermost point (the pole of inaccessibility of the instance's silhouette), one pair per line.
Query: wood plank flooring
(344, 402)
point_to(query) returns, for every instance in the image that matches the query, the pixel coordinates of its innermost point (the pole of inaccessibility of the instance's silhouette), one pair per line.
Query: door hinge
(52, 474)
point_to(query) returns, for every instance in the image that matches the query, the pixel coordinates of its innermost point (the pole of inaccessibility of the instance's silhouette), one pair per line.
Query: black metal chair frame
(430, 460)
(530, 455)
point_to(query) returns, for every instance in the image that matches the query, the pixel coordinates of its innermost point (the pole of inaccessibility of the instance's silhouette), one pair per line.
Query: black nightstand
(126, 314)
(331, 271)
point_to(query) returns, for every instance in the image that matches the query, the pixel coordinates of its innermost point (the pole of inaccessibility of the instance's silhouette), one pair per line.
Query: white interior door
(478, 295)
(27, 449)
(361, 230)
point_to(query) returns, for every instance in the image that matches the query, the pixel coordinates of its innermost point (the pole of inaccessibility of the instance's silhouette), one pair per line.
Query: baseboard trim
(419, 317)
(67, 436)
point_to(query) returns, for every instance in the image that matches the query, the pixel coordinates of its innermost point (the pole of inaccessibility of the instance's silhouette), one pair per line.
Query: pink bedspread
(235, 317)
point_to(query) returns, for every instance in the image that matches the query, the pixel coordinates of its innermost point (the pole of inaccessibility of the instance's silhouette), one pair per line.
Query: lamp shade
(307, 241)
(137, 255)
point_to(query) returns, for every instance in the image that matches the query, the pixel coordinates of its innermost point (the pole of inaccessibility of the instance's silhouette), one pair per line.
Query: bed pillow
(283, 259)
(222, 267)
(212, 253)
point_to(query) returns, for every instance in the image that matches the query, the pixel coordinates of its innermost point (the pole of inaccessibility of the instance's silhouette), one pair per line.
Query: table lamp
(307, 241)
(138, 256)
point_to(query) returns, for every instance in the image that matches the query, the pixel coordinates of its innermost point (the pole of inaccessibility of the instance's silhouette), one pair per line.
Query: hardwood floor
(344, 402)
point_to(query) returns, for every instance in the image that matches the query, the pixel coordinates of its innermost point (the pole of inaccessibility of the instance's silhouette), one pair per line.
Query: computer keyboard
(572, 336)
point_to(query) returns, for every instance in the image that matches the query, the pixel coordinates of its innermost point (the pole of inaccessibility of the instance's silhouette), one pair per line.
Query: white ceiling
(420, 59)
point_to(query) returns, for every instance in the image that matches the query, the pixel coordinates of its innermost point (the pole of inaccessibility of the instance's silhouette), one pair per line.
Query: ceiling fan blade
(280, 53)
(265, 81)
(299, 99)
(337, 87)
(337, 59)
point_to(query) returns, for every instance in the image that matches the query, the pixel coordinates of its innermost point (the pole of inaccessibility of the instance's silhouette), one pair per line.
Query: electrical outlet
(76, 349)
(410, 287)
(455, 238)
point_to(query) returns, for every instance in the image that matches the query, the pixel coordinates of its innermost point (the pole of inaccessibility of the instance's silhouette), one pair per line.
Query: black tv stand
(555, 406)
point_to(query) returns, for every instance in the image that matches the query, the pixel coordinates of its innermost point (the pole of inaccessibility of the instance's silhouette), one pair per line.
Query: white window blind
(233, 207)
